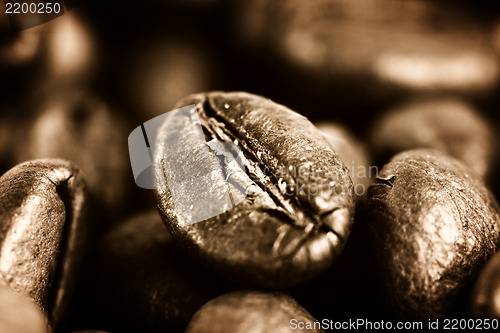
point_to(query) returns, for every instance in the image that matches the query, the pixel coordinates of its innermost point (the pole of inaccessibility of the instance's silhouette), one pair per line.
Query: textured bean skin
(485, 302)
(141, 281)
(447, 124)
(435, 224)
(19, 314)
(250, 311)
(261, 241)
(353, 153)
(42, 232)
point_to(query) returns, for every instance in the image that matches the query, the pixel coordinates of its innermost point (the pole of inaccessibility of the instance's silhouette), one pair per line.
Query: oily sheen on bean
(42, 232)
(299, 204)
(435, 224)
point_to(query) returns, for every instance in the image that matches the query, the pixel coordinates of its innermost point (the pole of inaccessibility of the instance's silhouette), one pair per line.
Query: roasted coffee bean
(297, 213)
(252, 311)
(42, 235)
(435, 223)
(447, 124)
(415, 45)
(353, 153)
(486, 292)
(140, 281)
(80, 127)
(18, 313)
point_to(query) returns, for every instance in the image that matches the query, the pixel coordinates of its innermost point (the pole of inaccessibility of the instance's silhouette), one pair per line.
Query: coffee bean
(448, 124)
(70, 50)
(486, 292)
(80, 127)
(18, 314)
(252, 311)
(297, 212)
(139, 280)
(416, 46)
(353, 153)
(42, 235)
(435, 223)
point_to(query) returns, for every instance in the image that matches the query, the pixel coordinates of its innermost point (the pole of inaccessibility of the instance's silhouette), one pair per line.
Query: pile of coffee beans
(345, 179)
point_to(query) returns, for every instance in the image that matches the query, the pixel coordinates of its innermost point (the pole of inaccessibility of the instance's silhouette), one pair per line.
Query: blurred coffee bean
(46, 57)
(19, 314)
(164, 71)
(80, 127)
(486, 292)
(42, 205)
(353, 153)
(447, 124)
(297, 201)
(140, 281)
(20, 47)
(70, 49)
(414, 45)
(435, 224)
(252, 311)
(21, 58)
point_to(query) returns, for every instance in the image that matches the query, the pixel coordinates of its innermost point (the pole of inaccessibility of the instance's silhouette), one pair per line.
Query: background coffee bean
(486, 293)
(299, 203)
(70, 50)
(435, 223)
(342, 61)
(353, 153)
(79, 126)
(19, 314)
(19, 48)
(417, 45)
(450, 125)
(138, 280)
(251, 311)
(42, 207)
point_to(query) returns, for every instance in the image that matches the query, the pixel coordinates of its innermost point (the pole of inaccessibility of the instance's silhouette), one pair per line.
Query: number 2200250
(32, 8)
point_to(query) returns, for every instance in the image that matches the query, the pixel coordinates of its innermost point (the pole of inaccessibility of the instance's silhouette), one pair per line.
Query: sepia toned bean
(353, 153)
(435, 224)
(19, 314)
(139, 280)
(252, 311)
(80, 127)
(414, 45)
(485, 302)
(450, 125)
(42, 238)
(298, 206)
